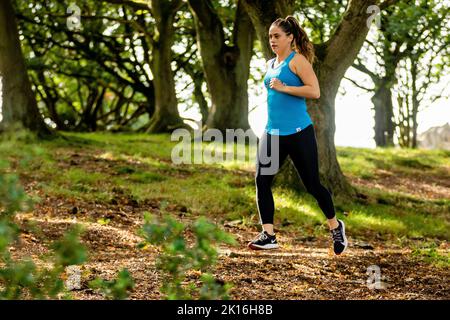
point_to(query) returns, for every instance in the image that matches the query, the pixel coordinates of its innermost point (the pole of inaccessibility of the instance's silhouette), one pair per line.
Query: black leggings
(302, 148)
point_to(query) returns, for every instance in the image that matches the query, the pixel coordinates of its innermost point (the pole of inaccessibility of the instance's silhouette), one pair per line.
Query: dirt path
(302, 268)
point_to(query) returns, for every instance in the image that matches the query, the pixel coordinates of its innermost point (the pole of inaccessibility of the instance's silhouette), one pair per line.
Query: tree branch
(359, 86)
(350, 34)
(130, 3)
(360, 67)
(387, 3)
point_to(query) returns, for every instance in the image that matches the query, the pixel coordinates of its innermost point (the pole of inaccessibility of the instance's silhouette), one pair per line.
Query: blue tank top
(286, 114)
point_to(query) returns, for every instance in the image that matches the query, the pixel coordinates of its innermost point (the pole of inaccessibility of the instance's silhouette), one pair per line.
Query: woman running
(289, 80)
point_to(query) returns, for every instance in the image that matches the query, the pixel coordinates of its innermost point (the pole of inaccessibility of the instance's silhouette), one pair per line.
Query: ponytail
(301, 41)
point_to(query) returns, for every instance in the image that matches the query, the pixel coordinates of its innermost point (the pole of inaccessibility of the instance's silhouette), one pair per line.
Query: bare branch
(360, 86)
(360, 67)
(387, 3)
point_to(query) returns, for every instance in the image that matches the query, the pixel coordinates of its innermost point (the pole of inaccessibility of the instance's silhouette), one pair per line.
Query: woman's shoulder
(297, 62)
(298, 57)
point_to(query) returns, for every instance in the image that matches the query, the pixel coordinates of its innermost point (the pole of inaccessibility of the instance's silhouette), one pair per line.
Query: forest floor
(106, 183)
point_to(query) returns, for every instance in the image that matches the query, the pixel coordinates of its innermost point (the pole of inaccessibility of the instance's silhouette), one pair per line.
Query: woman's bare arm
(305, 71)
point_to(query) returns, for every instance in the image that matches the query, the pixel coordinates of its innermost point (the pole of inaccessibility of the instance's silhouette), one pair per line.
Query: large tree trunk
(408, 105)
(262, 14)
(19, 103)
(382, 99)
(384, 125)
(166, 117)
(226, 67)
(415, 102)
(333, 59)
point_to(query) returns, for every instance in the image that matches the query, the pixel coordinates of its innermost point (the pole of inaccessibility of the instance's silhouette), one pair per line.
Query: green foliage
(179, 257)
(23, 278)
(116, 289)
(12, 196)
(70, 70)
(213, 289)
(319, 18)
(8, 233)
(69, 250)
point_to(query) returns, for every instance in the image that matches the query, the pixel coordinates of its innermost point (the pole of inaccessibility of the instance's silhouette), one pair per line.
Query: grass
(429, 252)
(363, 161)
(141, 165)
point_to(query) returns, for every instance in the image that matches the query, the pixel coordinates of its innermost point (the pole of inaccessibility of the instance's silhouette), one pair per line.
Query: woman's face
(278, 39)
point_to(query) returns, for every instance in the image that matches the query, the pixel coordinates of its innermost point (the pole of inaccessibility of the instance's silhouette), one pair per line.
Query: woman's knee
(315, 188)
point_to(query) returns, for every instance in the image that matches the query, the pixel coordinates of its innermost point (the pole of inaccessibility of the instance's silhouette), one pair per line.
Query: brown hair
(301, 41)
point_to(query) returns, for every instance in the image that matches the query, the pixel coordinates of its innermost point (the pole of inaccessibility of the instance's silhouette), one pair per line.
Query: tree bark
(384, 125)
(49, 96)
(166, 116)
(262, 14)
(19, 104)
(415, 101)
(382, 99)
(226, 67)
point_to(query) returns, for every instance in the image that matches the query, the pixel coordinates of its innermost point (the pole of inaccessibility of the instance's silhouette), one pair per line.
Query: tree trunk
(415, 102)
(384, 126)
(226, 67)
(200, 98)
(97, 106)
(166, 117)
(332, 62)
(19, 104)
(262, 14)
(50, 97)
(85, 119)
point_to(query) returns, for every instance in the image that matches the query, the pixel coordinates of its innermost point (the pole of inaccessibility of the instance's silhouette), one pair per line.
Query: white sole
(266, 247)
(345, 237)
